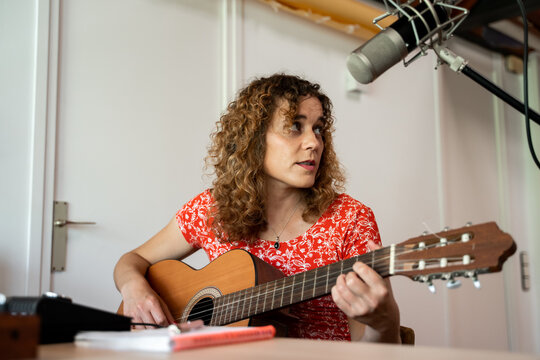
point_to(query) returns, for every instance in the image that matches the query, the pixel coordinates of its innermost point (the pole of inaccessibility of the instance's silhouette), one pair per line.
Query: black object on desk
(61, 319)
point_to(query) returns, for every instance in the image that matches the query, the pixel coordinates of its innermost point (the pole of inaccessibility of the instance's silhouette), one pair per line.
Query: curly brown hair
(238, 150)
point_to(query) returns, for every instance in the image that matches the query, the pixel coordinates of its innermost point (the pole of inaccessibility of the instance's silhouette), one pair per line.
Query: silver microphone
(429, 22)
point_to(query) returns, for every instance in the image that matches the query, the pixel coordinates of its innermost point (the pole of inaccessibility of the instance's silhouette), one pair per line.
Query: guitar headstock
(463, 252)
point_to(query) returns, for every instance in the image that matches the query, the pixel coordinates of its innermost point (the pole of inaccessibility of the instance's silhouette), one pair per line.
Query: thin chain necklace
(276, 244)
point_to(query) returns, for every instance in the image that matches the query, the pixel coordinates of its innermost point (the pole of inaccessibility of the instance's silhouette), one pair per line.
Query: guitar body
(188, 291)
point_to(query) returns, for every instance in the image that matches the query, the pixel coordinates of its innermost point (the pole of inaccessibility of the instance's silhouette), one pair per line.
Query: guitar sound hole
(202, 310)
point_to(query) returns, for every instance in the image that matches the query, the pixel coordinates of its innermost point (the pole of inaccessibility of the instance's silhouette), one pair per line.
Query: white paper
(140, 340)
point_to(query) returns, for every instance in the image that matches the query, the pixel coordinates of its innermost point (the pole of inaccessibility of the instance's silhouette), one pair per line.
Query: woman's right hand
(141, 302)
(144, 305)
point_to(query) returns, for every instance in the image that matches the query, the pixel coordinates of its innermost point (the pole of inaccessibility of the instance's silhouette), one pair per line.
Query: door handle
(61, 223)
(59, 235)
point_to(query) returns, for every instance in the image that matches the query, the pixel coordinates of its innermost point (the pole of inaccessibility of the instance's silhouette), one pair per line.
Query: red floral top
(340, 233)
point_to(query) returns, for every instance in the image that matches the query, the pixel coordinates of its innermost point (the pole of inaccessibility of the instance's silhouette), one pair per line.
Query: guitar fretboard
(294, 289)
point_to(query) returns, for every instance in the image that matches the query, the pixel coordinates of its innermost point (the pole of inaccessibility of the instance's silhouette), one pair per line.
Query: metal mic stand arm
(459, 65)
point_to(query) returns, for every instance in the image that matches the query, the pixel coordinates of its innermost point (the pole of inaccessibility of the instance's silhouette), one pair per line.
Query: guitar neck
(294, 289)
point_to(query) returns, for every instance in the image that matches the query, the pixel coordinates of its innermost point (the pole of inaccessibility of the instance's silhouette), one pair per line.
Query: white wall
(520, 207)
(419, 146)
(17, 71)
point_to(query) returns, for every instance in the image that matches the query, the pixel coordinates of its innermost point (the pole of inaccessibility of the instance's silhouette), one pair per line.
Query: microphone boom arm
(459, 65)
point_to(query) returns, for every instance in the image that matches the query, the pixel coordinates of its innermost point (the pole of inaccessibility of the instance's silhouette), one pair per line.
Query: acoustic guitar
(238, 286)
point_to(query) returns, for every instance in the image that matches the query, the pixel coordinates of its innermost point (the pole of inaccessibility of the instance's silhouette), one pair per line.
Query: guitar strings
(287, 288)
(285, 291)
(378, 265)
(430, 232)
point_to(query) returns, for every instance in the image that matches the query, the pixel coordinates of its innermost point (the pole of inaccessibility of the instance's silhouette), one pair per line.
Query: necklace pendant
(276, 245)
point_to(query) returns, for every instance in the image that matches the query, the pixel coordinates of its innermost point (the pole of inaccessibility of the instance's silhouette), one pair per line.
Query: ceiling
(493, 24)
(497, 25)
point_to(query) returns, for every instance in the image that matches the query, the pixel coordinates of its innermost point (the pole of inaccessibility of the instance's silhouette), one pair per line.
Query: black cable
(526, 81)
(146, 324)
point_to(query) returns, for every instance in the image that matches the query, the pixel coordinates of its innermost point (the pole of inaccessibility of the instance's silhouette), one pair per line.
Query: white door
(138, 94)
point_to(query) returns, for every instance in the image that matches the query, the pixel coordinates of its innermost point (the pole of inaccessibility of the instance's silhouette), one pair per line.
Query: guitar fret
(213, 317)
(218, 309)
(231, 307)
(273, 295)
(303, 284)
(227, 306)
(292, 289)
(258, 297)
(318, 282)
(250, 300)
(244, 300)
(278, 287)
(269, 294)
(265, 294)
(347, 265)
(237, 308)
(254, 301)
(315, 282)
(381, 264)
(223, 309)
(311, 284)
(296, 289)
(216, 314)
(327, 276)
(233, 303)
(229, 310)
(333, 275)
(255, 297)
(282, 292)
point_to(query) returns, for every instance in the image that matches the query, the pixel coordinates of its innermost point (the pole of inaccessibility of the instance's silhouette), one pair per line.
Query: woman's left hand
(364, 296)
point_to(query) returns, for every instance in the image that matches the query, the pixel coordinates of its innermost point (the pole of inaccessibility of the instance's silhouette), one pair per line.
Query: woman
(276, 194)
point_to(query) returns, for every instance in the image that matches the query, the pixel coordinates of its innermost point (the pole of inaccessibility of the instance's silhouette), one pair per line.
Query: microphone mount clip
(437, 34)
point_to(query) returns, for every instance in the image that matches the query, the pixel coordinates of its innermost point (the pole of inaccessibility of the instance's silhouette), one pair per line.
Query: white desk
(283, 349)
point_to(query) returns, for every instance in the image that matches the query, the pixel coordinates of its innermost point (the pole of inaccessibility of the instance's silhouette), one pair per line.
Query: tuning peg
(431, 287)
(453, 283)
(468, 224)
(476, 282)
(446, 276)
(446, 228)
